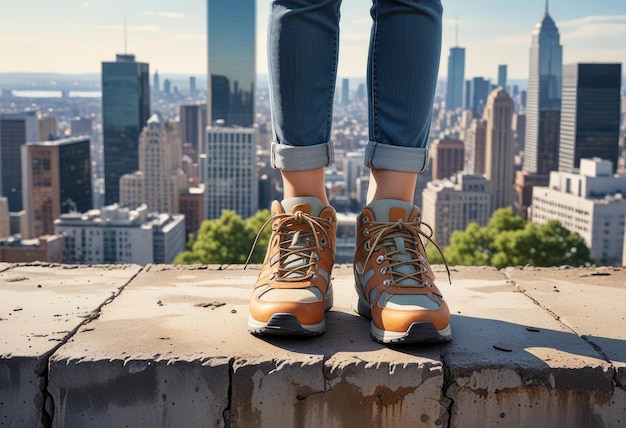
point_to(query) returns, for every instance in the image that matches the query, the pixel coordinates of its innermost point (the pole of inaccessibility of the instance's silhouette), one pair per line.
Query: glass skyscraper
(125, 111)
(544, 97)
(456, 79)
(232, 61)
(590, 117)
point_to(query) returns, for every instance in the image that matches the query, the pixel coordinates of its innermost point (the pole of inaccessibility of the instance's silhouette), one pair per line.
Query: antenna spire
(547, 6)
(456, 32)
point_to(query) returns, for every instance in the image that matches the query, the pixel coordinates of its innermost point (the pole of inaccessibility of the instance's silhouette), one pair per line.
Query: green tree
(508, 240)
(228, 239)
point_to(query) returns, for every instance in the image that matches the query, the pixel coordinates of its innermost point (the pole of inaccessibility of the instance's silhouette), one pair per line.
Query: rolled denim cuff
(395, 158)
(302, 158)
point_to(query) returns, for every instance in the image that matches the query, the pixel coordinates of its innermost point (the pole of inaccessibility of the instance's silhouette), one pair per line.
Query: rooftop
(166, 345)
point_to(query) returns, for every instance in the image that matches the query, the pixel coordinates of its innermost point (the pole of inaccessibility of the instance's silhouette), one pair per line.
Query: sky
(75, 36)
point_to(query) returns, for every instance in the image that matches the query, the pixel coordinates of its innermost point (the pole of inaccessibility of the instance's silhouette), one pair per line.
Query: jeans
(403, 62)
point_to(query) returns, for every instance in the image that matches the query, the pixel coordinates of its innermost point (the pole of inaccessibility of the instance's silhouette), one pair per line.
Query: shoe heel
(329, 298)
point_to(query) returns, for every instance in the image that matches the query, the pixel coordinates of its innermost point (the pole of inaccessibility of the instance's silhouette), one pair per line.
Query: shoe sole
(418, 332)
(286, 324)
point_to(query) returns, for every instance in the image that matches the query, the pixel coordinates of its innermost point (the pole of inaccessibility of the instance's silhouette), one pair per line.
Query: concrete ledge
(168, 346)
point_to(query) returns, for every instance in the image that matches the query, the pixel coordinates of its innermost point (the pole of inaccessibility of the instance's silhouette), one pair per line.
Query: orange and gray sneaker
(293, 290)
(395, 286)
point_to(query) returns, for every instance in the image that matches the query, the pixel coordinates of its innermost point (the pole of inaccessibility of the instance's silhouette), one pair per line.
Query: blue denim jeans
(404, 51)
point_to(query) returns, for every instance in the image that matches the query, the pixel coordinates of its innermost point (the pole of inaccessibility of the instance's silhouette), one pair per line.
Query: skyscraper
(456, 78)
(590, 117)
(56, 180)
(447, 158)
(193, 125)
(16, 129)
(160, 179)
(502, 75)
(125, 111)
(345, 92)
(479, 92)
(544, 97)
(232, 61)
(499, 148)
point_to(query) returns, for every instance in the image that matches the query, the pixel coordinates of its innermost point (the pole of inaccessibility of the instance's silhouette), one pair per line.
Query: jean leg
(405, 47)
(303, 46)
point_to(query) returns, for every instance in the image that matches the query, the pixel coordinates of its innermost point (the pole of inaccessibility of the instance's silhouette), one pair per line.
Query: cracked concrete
(167, 346)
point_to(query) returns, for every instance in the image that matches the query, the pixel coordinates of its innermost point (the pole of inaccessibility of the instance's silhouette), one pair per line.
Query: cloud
(171, 15)
(85, 4)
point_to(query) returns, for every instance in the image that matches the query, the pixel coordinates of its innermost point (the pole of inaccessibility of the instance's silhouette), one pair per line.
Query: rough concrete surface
(40, 307)
(172, 349)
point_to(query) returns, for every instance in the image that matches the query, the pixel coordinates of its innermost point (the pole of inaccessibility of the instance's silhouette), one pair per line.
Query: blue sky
(68, 36)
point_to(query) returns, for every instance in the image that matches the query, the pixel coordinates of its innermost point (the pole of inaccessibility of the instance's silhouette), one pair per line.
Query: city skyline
(76, 36)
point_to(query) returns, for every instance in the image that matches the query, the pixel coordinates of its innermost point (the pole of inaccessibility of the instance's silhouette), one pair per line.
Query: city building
(476, 96)
(156, 85)
(346, 238)
(345, 92)
(502, 75)
(590, 118)
(353, 168)
(590, 202)
(56, 180)
(456, 78)
(228, 171)
(193, 123)
(16, 129)
(48, 128)
(160, 179)
(452, 204)
(125, 111)
(544, 98)
(499, 148)
(5, 218)
(191, 203)
(475, 143)
(232, 62)
(81, 126)
(47, 248)
(121, 235)
(447, 157)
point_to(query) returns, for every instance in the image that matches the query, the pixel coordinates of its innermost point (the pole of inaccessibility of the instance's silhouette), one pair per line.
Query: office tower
(121, 235)
(589, 202)
(228, 171)
(192, 128)
(167, 87)
(156, 85)
(191, 203)
(5, 218)
(591, 114)
(125, 111)
(479, 92)
(16, 129)
(345, 92)
(452, 204)
(519, 131)
(56, 179)
(360, 92)
(475, 144)
(232, 62)
(160, 179)
(447, 157)
(502, 76)
(544, 98)
(456, 78)
(499, 148)
(81, 126)
(192, 87)
(48, 128)
(353, 168)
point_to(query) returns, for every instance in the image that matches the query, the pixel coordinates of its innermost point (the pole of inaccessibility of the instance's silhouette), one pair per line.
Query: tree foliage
(508, 240)
(227, 240)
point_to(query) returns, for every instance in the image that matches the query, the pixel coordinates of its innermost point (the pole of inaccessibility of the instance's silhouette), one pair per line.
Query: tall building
(192, 128)
(475, 147)
(590, 117)
(48, 128)
(193, 91)
(156, 85)
(232, 61)
(353, 168)
(121, 235)
(456, 78)
(5, 218)
(56, 180)
(499, 148)
(588, 202)
(16, 129)
(447, 157)
(228, 171)
(479, 90)
(81, 126)
(345, 92)
(125, 111)
(452, 204)
(544, 98)
(160, 179)
(502, 75)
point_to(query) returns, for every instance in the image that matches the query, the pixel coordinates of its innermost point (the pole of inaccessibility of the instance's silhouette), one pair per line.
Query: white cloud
(172, 15)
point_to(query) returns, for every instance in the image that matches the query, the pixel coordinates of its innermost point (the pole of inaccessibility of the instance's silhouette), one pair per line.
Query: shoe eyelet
(386, 283)
(366, 232)
(383, 271)
(323, 241)
(380, 259)
(367, 246)
(314, 276)
(365, 220)
(425, 270)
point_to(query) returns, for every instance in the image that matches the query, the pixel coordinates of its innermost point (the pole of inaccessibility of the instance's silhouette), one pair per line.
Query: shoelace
(385, 233)
(284, 227)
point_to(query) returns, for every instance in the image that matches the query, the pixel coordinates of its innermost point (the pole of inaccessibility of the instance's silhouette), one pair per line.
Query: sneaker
(395, 286)
(293, 290)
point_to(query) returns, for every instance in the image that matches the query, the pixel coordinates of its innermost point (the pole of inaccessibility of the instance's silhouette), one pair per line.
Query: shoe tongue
(307, 204)
(391, 210)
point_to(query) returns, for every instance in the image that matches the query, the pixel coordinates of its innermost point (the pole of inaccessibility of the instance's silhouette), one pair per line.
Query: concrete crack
(226, 413)
(448, 382)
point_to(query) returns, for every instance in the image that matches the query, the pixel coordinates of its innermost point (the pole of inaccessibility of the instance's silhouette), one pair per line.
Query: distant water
(57, 94)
